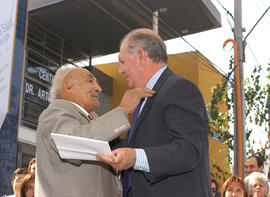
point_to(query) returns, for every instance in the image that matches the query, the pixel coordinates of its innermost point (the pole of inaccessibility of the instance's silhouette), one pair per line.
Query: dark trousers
(130, 193)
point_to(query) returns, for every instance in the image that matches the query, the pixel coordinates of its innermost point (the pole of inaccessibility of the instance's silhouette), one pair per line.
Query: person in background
(32, 165)
(257, 184)
(27, 188)
(253, 164)
(166, 150)
(74, 96)
(234, 187)
(17, 177)
(214, 187)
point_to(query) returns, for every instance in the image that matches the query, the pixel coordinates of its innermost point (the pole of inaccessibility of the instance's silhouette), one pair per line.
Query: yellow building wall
(208, 77)
(196, 68)
(119, 82)
(186, 65)
(218, 154)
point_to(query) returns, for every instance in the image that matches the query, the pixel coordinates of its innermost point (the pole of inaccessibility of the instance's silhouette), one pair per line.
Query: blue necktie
(134, 119)
(126, 176)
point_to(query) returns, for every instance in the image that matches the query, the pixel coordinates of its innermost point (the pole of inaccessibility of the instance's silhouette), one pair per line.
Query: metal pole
(155, 22)
(90, 67)
(238, 119)
(240, 141)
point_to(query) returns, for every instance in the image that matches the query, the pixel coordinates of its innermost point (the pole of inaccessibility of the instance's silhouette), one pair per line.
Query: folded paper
(73, 147)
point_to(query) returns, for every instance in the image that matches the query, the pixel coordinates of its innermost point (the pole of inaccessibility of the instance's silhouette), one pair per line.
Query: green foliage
(257, 97)
(219, 174)
(220, 120)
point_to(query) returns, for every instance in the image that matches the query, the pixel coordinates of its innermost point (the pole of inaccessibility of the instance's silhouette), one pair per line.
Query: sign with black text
(8, 10)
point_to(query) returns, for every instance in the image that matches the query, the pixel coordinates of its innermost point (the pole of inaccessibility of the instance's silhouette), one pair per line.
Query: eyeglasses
(213, 190)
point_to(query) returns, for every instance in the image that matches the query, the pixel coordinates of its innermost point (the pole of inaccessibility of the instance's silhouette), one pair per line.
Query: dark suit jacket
(173, 130)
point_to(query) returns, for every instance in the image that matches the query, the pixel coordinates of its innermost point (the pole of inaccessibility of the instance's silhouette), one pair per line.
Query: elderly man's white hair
(257, 176)
(57, 82)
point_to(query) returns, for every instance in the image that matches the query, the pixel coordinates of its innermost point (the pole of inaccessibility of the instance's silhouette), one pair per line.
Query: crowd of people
(255, 184)
(23, 181)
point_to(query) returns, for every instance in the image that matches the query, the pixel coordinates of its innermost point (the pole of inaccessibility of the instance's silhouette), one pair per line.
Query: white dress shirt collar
(82, 109)
(153, 80)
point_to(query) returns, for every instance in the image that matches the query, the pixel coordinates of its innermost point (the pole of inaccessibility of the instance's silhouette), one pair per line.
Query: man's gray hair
(57, 82)
(257, 176)
(152, 44)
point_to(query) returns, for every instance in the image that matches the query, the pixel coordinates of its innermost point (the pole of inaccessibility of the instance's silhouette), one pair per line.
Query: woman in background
(257, 184)
(32, 165)
(234, 187)
(28, 185)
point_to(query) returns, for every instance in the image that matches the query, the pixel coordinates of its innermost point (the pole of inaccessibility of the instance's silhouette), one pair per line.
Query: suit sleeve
(186, 123)
(107, 127)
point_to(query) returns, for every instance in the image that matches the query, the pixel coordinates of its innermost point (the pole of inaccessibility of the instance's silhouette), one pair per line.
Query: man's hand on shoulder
(132, 98)
(121, 159)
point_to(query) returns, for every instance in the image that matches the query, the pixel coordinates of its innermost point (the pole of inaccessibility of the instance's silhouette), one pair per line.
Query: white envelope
(73, 147)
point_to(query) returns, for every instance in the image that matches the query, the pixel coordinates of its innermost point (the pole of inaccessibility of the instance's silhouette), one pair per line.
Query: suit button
(119, 192)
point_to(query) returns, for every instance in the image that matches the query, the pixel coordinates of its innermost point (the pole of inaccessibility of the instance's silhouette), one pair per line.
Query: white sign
(8, 10)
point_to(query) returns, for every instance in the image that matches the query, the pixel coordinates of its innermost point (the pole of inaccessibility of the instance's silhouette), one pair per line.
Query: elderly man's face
(84, 89)
(251, 165)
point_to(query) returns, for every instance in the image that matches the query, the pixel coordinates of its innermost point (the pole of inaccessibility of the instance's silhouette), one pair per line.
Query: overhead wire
(263, 5)
(228, 13)
(129, 28)
(175, 32)
(219, 70)
(147, 17)
(185, 61)
(254, 56)
(110, 14)
(245, 38)
(216, 69)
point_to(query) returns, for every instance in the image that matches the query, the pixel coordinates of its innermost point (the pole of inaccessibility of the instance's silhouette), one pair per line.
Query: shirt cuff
(141, 161)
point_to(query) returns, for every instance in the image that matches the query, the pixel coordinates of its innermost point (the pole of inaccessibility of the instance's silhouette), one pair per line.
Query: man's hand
(94, 115)
(132, 98)
(121, 159)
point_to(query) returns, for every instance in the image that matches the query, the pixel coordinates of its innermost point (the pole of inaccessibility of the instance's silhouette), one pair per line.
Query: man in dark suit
(166, 152)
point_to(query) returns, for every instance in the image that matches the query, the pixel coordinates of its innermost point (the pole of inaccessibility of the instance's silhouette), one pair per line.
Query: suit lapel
(167, 72)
